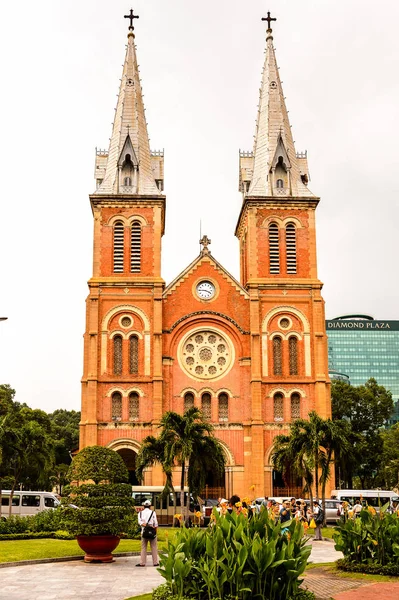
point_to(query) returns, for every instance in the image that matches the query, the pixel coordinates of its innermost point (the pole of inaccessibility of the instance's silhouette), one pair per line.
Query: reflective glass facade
(363, 348)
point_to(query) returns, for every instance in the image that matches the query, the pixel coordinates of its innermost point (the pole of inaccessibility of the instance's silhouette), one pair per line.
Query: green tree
(65, 430)
(366, 409)
(390, 457)
(153, 451)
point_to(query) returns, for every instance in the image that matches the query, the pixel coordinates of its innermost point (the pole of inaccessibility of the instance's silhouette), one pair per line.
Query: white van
(27, 503)
(375, 498)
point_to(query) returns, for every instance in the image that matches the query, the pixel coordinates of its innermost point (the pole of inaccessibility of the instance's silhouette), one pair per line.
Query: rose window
(206, 354)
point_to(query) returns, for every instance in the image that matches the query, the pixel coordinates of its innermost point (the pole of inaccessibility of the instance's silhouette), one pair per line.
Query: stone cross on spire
(269, 19)
(205, 241)
(131, 17)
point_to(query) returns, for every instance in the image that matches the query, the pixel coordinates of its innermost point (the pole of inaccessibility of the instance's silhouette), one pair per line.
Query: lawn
(15, 550)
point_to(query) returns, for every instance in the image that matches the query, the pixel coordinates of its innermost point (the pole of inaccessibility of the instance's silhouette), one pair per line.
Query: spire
(277, 170)
(129, 169)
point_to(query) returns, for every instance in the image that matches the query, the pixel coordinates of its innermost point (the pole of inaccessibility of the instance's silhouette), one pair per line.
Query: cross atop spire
(269, 19)
(131, 16)
(205, 241)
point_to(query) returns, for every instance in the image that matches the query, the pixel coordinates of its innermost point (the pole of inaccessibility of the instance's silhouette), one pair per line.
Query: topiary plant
(104, 507)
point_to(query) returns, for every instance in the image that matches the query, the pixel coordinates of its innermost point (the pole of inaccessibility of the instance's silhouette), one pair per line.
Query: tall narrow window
(117, 355)
(116, 406)
(133, 355)
(206, 405)
(293, 355)
(119, 231)
(295, 406)
(280, 183)
(135, 247)
(274, 250)
(277, 356)
(223, 407)
(290, 245)
(278, 407)
(134, 406)
(188, 401)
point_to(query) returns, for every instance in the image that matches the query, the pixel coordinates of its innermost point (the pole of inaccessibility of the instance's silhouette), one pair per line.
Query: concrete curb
(40, 561)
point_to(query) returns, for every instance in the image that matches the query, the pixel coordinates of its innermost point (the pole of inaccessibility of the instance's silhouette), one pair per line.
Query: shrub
(15, 524)
(105, 506)
(63, 535)
(370, 568)
(28, 535)
(236, 557)
(47, 520)
(370, 538)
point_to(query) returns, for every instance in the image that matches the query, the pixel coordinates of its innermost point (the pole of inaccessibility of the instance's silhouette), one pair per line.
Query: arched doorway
(287, 485)
(220, 486)
(128, 450)
(129, 458)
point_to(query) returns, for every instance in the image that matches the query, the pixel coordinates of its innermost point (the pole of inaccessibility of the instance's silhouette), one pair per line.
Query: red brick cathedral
(252, 354)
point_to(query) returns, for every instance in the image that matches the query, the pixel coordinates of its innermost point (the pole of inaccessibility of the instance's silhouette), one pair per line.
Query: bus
(375, 498)
(163, 506)
(26, 503)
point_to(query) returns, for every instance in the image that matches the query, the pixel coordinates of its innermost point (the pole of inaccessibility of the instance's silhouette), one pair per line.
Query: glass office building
(361, 347)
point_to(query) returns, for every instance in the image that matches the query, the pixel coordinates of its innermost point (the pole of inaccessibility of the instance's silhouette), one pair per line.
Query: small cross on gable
(269, 19)
(131, 16)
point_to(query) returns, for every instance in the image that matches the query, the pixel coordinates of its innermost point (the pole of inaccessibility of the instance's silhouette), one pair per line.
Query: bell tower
(123, 337)
(277, 233)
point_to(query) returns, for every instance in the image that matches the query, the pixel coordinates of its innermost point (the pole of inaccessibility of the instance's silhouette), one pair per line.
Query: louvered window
(118, 246)
(274, 251)
(290, 245)
(223, 407)
(133, 355)
(188, 401)
(116, 406)
(295, 406)
(134, 406)
(293, 355)
(135, 248)
(277, 356)
(206, 405)
(278, 407)
(117, 355)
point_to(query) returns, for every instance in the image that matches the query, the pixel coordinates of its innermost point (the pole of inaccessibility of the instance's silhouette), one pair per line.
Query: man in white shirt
(148, 517)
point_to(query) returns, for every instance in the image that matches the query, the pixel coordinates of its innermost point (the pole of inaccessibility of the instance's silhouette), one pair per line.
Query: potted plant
(99, 509)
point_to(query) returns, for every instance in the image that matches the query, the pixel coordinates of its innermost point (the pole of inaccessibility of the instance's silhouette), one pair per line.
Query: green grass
(15, 550)
(326, 532)
(142, 597)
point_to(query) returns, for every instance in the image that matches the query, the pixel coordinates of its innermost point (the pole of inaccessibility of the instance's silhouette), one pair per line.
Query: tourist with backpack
(318, 516)
(147, 518)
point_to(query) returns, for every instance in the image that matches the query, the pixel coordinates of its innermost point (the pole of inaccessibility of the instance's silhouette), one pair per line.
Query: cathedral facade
(252, 354)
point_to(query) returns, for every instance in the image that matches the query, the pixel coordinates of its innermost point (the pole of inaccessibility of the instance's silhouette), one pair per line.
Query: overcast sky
(200, 65)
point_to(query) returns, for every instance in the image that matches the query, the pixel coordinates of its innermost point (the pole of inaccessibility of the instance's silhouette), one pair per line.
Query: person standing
(318, 516)
(148, 517)
(285, 513)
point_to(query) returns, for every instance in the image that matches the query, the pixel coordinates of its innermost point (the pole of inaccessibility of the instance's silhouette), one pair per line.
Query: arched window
(295, 406)
(133, 355)
(278, 406)
(280, 183)
(274, 251)
(293, 355)
(134, 406)
(277, 355)
(206, 405)
(127, 181)
(135, 247)
(116, 408)
(119, 231)
(188, 401)
(290, 245)
(117, 355)
(223, 407)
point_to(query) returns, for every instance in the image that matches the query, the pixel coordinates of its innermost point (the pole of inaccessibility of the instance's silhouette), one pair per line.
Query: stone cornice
(128, 201)
(274, 202)
(206, 312)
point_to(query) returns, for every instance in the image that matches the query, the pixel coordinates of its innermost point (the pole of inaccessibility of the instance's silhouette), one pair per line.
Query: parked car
(207, 508)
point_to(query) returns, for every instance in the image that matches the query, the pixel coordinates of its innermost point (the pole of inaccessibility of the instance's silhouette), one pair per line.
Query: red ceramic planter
(98, 547)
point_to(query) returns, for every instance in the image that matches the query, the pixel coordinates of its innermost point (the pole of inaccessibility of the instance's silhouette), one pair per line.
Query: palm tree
(289, 456)
(186, 440)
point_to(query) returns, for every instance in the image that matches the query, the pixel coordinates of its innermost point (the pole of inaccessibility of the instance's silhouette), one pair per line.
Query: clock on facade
(205, 290)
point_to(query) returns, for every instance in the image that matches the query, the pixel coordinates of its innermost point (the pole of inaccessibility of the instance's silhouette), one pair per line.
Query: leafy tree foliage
(186, 440)
(365, 409)
(65, 429)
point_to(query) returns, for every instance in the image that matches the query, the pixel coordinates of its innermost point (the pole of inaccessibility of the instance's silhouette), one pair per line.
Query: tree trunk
(183, 468)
